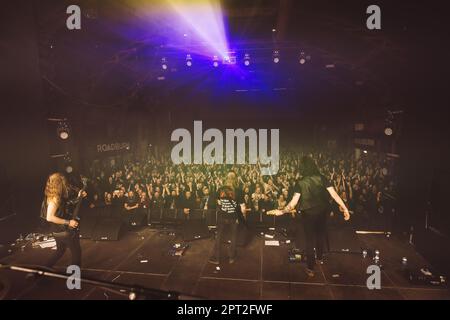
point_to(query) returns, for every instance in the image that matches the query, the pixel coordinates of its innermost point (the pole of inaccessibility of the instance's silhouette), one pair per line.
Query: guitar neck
(78, 205)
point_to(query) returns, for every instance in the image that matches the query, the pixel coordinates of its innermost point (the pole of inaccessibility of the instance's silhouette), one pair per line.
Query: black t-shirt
(188, 203)
(118, 201)
(239, 195)
(228, 205)
(131, 202)
(171, 202)
(313, 191)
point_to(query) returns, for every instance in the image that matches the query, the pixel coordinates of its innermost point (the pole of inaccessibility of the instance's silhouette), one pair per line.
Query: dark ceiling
(104, 67)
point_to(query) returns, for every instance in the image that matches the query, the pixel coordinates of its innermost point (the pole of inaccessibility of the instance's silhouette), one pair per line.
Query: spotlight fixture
(215, 61)
(391, 122)
(304, 58)
(188, 60)
(388, 130)
(229, 58)
(276, 56)
(164, 63)
(63, 130)
(246, 59)
(68, 163)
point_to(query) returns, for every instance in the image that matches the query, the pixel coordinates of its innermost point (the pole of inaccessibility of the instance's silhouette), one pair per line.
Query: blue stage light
(188, 60)
(246, 59)
(276, 56)
(164, 63)
(215, 61)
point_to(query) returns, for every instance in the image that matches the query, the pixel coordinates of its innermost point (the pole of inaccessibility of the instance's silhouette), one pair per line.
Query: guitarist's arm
(51, 216)
(81, 195)
(292, 204)
(339, 201)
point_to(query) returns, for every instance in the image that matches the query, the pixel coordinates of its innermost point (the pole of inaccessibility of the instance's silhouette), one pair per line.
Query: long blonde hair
(56, 188)
(231, 180)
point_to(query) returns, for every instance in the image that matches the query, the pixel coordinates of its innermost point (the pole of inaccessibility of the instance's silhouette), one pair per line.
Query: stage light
(390, 123)
(68, 163)
(229, 58)
(202, 20)
(164, 63)
(304, 58)
(276, 56)
(189, 60)
(215, 61)
(246, 59)
(274, 30)
(365, 151)
(63, 130)
(388, 131)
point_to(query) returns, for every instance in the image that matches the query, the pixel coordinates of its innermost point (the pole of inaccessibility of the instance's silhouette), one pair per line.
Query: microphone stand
(134, 292)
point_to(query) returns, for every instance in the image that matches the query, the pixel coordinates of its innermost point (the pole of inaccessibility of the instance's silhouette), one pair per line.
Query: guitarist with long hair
(311, 201)
(64, 225)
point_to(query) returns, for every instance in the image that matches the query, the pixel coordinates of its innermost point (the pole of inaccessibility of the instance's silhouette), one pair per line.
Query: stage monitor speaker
(172, 216)
(87, 226)
(194, 229)
(154, 217)
(137, 220)
(104, 212)
(108, 229)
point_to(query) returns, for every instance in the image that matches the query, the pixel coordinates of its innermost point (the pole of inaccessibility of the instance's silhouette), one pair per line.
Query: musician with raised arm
(311, 202)
(62, 224)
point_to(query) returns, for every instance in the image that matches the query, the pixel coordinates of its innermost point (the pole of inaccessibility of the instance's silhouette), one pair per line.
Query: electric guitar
(68, 231)
(277, 212)
(79, 200)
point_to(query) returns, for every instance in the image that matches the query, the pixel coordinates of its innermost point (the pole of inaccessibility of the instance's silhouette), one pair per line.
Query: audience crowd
(128, 184)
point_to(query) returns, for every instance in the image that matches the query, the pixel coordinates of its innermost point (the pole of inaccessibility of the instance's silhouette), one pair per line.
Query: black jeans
(222, 224)
(71, 242)
(314, 226)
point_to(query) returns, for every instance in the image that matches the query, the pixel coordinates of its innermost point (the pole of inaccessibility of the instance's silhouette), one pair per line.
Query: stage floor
(260, 272)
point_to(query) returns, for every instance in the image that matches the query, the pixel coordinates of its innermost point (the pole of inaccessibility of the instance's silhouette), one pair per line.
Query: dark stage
(261, 272)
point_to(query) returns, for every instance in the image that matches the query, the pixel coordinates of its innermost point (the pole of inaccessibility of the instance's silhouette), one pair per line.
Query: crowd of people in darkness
(127, 183)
